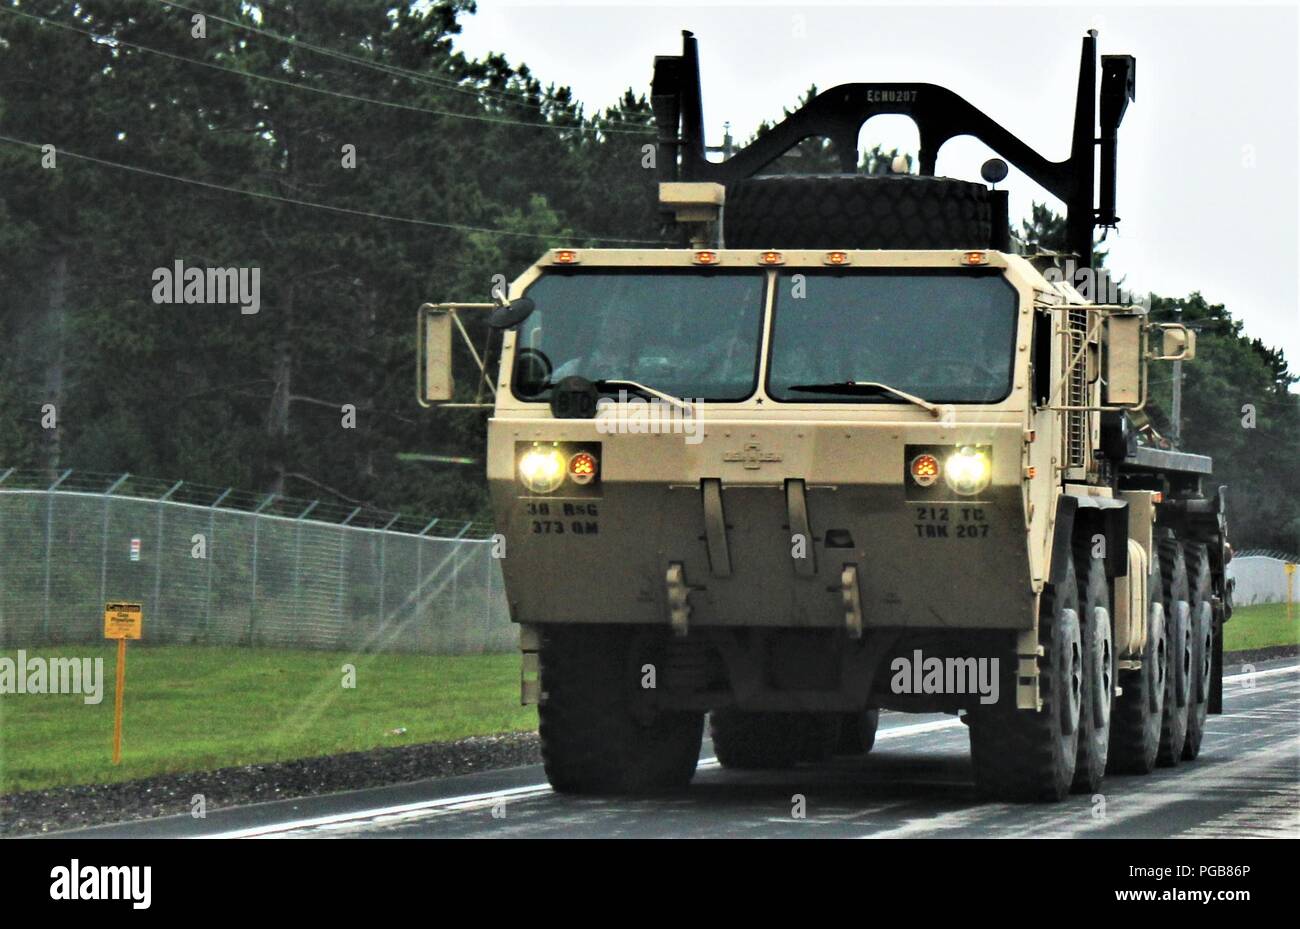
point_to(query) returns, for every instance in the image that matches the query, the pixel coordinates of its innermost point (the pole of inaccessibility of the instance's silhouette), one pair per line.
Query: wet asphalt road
(916, 783)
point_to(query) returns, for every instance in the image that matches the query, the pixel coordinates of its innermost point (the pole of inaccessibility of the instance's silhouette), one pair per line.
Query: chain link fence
(216, 566)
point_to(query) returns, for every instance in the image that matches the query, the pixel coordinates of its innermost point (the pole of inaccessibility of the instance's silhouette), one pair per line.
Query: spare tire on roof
(856, 211)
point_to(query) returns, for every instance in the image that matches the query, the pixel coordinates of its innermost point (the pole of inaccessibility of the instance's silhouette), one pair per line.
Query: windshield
(690, 334)
(946, 337)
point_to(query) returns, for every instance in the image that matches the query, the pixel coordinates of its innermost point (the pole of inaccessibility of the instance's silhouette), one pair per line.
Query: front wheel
(600, 733)
(1099, 673)
(1202, 623)
(1178, 682)
(1028, 755)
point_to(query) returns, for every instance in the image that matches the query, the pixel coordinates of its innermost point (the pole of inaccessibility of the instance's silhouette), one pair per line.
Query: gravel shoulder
(41, 811)
(1251, 655)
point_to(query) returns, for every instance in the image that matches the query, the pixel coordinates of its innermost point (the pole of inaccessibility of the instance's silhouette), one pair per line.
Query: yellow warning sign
(123, 620)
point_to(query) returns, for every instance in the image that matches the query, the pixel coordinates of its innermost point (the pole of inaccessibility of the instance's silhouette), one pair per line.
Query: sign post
(1290, 588)
(122, 621)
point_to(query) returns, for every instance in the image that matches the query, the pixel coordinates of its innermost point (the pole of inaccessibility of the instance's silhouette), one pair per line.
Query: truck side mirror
(1178, 343)
(1125, 380)
(433, 328)
(512, 313)
(435, 349)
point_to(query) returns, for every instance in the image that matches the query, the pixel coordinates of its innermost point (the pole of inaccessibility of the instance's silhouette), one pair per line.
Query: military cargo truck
(847, 447)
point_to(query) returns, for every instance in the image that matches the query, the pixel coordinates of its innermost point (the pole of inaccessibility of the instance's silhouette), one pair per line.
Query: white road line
(486, 799)
(315, 822)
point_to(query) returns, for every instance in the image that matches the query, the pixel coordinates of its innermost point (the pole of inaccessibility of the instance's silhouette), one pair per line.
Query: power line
(443, 83)
(307, 87)
(319, 206)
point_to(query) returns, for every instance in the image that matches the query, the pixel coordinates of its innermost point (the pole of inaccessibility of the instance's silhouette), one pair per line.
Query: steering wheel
(532, 371)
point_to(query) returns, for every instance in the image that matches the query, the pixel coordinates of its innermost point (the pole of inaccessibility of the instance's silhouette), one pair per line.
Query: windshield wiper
(615, 383)
(869, 387)
(642, 389)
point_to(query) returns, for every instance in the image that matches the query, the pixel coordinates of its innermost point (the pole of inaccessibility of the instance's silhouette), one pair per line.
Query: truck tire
(1024, 755)
(752, 741)
(1202, 621)
(1135, 716)
(1178, 682)
(821, 736)
(595, 738)
(857, 732)
(856, 211)
(1095, 707)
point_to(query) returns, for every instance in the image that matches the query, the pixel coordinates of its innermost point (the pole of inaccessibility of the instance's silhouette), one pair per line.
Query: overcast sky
(1208, 153)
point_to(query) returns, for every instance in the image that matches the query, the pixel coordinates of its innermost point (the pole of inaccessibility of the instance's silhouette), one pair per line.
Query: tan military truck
(846, 449)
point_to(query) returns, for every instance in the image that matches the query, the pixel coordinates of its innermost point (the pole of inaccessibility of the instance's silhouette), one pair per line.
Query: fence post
(212, 538)
(419, 573)
(257, 525)
(157, 574)
(383, 575)
(297, 557)
(103, 543)
(49, 549)
(343, 559)
(487, 600)
(3, 477)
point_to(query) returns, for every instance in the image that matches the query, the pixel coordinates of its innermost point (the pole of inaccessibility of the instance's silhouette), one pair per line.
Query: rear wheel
(758, 740)
(765, 740)
(1202, 628)
(1178, 682)
(599, 731)
(1135, 721)
(857, 732)
(1099, 671)
(1027, 755)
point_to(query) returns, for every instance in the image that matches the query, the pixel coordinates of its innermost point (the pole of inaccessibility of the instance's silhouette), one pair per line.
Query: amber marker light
(771, 258)
(925, 470)
(836, 259)
(582, 468)
(705, 258)
(975, 258)
(566, 256)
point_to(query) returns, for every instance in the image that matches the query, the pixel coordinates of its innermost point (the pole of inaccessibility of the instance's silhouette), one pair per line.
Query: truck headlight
(542, 469)
(968, 471)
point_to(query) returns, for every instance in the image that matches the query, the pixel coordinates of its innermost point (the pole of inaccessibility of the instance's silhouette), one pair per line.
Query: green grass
(191, 708)
(1261, 626)
(194, 709)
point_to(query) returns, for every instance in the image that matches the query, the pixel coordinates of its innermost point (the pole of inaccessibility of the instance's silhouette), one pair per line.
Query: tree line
(362, 164)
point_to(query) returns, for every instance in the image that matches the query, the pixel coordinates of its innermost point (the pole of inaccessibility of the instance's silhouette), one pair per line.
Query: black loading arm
(839, 113)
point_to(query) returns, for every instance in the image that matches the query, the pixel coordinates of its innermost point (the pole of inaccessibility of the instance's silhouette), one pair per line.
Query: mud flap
(851, 598)
(1027, 653)
(530, 677)
(679, 607)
